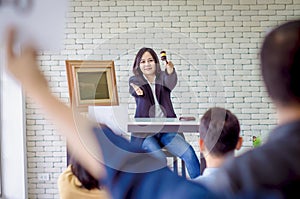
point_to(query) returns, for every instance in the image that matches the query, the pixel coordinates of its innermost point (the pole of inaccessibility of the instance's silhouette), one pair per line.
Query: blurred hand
(137, 89)
(24, 66)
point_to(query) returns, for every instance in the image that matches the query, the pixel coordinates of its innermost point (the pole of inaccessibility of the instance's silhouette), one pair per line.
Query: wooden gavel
(163, 56)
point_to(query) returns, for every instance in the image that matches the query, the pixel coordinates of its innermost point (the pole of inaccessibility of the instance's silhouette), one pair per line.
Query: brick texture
(213, 44)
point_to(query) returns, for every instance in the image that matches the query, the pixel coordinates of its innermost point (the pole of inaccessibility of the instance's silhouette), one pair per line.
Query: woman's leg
(179, 147)
(152, 145)
(138, 141)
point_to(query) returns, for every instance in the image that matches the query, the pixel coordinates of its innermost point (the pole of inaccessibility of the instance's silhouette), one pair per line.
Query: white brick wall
(213, 43)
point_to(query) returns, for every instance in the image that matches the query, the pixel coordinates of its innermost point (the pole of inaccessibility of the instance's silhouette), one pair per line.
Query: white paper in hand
(38, 22)
(115, 117)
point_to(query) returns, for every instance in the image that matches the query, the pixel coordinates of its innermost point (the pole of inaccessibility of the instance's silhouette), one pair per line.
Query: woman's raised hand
(23, 66)
(137, 89)
(170, 67)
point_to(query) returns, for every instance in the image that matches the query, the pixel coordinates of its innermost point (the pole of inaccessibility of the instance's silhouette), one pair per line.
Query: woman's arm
(170, 76)
(76, 128)
(170, 80)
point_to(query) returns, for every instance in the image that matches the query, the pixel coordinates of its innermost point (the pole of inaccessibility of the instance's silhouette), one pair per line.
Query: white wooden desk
(155, 125)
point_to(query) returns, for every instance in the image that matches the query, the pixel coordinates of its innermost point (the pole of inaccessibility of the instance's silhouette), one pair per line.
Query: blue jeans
(176, 145)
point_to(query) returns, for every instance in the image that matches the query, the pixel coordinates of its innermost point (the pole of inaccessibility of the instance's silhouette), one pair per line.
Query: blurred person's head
(280, 63)
(86, 179)
(219, 132)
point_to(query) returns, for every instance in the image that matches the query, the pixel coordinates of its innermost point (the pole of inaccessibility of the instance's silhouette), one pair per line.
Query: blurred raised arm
(77, 130)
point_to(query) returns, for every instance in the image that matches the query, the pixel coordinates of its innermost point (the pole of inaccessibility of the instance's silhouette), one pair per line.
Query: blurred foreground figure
(275, 165)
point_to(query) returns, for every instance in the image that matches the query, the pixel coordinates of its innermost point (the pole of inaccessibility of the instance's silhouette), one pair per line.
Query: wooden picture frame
(91, 83)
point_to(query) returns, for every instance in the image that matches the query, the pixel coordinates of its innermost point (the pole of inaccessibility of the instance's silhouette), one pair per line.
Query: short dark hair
(86, 179)
(136, 65)
(220, 130)
(280, 63)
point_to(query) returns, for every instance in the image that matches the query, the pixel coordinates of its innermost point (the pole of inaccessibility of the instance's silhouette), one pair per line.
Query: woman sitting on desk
(151, 87)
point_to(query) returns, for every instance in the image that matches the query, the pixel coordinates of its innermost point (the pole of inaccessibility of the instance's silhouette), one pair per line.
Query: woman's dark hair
(86, 179)
(136, 65)
(220, 130)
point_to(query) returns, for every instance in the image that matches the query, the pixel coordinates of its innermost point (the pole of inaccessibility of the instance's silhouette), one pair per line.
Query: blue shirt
(137, 175)
(132, 174)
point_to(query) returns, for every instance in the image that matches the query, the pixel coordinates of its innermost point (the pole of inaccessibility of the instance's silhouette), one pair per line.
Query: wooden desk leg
(175, 165)
(183, 169)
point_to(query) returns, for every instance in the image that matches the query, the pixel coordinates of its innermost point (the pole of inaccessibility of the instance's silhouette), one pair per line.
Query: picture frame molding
(76, 68)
